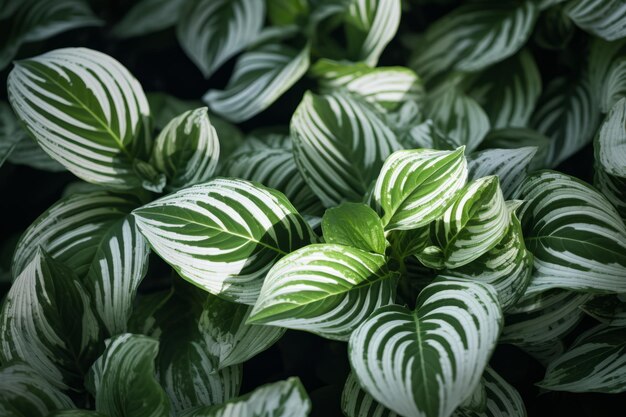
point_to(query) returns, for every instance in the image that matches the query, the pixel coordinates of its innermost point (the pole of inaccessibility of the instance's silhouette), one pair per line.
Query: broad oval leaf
(604, 18)
(224, 235)
(607, 71)
(213, 31)
(356, 225)
(86, 111)
(415, 187)
(260, 76)
(576, 236)
(340, 145)
(187, 149)
(427, 362)
(510, 166)
(326, 289)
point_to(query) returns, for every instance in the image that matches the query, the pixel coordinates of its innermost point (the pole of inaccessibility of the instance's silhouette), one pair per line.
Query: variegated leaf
(608, 309)
(607, 71)
(576, 236)
(326, 289)
(356, 402)
(604, 18)
(260, 76)
(415, 187)
(213, 31)
(340, 144)
(428, 362)
(554, 29)
(224, 235)
(515, 138)
(148, 16)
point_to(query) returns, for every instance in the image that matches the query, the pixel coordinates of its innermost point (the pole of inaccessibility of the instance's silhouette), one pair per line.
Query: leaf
(356, 225)
(326, 289)
(604, 18)
(47, 322)
(607, 72)
(261, 75)
(507, 266)
(24, 393)
(37, 20)
(576, 236)
(10, 132)
(356, 402)
(608, 309)
(596, 362)
(287, 12)
(124, 379)
(340, 145)
(427, 362)
(472, 226)
(510, 166)
(86, 111)
(385, 87)
(554, 29)
(76, 413)
(279, 399)
(612, 188)
(473, 37)
(148, 16)
(223, 235)
(223, 326)
(213, 31)
(370, 25)
(28, 152)
(269, 160)
(416, 186)
(187, 149)
(515, 138)
(568, 115)
(508, 91)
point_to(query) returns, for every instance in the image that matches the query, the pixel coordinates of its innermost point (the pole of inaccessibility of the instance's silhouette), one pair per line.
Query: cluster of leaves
(409, 211)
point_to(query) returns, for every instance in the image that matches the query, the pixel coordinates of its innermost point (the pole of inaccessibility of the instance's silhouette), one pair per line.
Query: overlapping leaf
(356, 225)
(515, 138)
(608, 309)
(604, 18)
(607, 72)
(147, 16)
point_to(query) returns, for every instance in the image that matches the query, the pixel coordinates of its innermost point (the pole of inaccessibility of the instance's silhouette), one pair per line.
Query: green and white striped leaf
(472, 226)
(458, 116)
(86, 111)
(24, 393)
(73, 229)
(508, 266)
(213, 31)
(370, 25)
(596, 362)
(28, 152)
(607, 71)
(423, 135)
(510, 166)
(356, 225)
(224, 235)
(356, 402)
(604, 18)
(473, 37)
(612, 188)
(47, 322)
(386, 87)
(187, 149)
(260, 76)
(326, 289)
(223, 326)
(148, 16)
(576, 236)
(123, 379)
(269, 160)
(608, 309)
(279, 399)
(508, 91)
(429, 361)
(340, 145)
(416, 186)
(515, 138)
(568, 114)
(35, 20)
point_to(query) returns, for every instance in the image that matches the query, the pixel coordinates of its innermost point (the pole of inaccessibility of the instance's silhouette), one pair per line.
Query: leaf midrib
(422, 362)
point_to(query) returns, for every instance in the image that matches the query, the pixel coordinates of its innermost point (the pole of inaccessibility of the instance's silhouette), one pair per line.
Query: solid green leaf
(356, 225)
(224, 235)
(148, 16)
(326, 289)
(47, 321)
(86, 111)
(213, 31)
(415, 187)
(261, 75)
(604, 18)
(428, 361)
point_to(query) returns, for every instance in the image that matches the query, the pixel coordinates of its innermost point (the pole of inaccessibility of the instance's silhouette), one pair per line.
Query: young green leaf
(148, 16)
(260, 76)
(47, 322)
(356, 225)
(428, 361)
(224, 235)
(415, 187)
(86, 111)
(604, 18)
(326, 289)
(576, 236)
(340, 144)
(213, 31)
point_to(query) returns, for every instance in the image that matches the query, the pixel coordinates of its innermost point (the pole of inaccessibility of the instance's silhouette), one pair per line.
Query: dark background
(160, 65)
